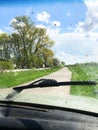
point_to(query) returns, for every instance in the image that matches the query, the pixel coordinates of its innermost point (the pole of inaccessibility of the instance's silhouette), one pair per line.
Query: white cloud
(40, 26)
(56, 23)
(91, 20)
(43, 17)
(80, 45)
(13, 20)
(1, 31)
(69, 59)
(74, 47)
(72, 59)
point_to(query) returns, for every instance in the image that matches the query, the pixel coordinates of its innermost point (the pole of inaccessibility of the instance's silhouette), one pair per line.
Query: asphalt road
(62, 75)
(39, 93)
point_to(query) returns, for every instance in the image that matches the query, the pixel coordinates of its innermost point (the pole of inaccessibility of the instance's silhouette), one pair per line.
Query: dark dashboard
(26, 116)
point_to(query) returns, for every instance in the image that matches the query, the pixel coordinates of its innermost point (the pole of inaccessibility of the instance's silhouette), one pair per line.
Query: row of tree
(28, 46)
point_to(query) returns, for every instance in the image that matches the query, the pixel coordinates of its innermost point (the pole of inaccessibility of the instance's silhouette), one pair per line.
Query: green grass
(88, 71)
(16, 78)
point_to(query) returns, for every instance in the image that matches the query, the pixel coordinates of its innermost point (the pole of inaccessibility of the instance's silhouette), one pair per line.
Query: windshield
(54, 42)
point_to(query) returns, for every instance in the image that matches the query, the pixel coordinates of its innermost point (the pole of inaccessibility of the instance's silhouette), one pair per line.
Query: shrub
(5, 65)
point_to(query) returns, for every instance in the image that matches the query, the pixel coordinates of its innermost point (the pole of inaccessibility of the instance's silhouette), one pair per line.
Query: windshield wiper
(53, 83)
(47, 83)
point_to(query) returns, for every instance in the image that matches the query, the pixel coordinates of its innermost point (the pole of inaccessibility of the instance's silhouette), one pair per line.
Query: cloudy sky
(72, 24)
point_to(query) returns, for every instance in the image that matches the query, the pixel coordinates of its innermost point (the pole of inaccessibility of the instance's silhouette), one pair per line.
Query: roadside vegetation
(27, 46)
(87, 71)
(5, 65)
(11, 79)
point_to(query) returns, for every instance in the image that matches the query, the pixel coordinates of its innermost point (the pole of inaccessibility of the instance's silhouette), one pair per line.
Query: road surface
(38, 94)
(62, 75)
(57, 96)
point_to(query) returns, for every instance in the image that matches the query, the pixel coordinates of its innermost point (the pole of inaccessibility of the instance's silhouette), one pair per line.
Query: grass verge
(88, 71)
(11, 79)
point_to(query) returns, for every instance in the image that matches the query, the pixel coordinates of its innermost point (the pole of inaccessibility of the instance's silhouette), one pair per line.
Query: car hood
(68, 101)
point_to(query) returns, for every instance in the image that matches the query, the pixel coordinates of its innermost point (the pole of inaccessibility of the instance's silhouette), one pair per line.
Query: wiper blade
(46, 83)
(53, 83)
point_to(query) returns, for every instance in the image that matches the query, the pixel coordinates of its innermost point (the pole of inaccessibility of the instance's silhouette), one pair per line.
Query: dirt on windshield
(62, 75)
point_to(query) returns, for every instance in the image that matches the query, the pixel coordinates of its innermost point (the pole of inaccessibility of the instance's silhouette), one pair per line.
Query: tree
(31, 45)
(5, 46)
(5, 65)
(42, 47)
(22, 25)
(16, 49)
(62, 63)
(56, 62)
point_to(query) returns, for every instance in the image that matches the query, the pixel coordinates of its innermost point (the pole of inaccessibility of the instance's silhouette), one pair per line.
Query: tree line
(27, 46)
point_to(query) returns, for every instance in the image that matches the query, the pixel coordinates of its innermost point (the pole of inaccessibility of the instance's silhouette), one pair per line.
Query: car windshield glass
(48, 52)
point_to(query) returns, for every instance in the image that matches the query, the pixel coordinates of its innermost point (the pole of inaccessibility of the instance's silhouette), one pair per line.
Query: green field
(88, 71)
(11, 79)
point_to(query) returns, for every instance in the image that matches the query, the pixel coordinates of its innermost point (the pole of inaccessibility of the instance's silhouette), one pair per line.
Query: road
(38, 94)
(57, 96)
(62, 75)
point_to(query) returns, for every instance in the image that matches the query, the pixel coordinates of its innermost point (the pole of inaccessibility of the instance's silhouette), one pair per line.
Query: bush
(5, 65)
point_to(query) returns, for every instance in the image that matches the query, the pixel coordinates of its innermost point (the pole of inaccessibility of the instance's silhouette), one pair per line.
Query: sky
(72, 24)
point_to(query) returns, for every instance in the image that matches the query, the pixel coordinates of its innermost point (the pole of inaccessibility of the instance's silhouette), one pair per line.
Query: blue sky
(68, 13)
(73, 25)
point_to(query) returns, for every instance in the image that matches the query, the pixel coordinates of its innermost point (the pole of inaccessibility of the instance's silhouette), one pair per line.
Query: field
(88, 71)
(11, 79)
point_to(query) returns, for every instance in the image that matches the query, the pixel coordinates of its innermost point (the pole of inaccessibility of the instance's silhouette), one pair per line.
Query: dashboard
(26, 116)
